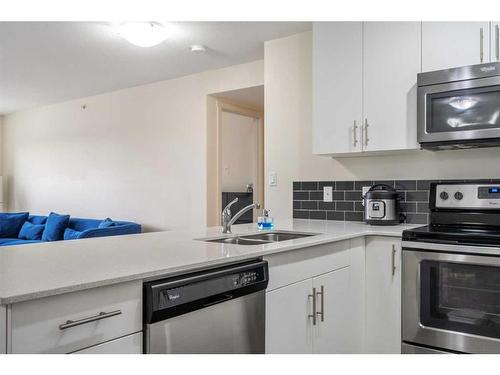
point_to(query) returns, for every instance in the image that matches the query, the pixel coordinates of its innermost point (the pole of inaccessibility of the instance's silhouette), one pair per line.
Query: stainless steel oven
(459, 107)
(451, 297)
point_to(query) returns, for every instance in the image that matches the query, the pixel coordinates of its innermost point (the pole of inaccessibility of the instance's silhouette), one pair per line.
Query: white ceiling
(47, 62)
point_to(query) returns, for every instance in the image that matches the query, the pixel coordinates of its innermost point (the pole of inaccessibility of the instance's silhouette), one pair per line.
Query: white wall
(136, 154)
(239, 147)
(288, 149)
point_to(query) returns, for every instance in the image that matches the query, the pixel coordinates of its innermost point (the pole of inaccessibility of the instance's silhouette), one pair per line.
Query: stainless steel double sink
(261, 238)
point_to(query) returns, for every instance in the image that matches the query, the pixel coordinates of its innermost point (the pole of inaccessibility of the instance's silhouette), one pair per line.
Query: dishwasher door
(235, 326)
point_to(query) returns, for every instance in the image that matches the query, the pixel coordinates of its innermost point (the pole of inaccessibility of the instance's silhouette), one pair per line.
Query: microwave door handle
(497, 42)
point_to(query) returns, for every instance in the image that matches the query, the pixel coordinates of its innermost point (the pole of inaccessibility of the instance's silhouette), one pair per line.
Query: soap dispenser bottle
(265, 221)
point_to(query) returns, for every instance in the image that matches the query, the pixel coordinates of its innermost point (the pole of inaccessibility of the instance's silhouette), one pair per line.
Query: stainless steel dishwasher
(214, 311)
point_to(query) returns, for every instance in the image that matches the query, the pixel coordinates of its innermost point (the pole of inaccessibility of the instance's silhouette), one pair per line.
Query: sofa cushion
(37, 219)
(11, 223)
(55, 226)
(71, 234)
(106, 223)
(31, 231)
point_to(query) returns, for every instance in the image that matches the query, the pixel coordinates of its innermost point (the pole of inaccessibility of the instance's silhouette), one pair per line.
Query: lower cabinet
(332, 332)
(288, 325)
(3, 329)
(70, 322)
(131, 344)
(343, 297)
(317, 314)
(383, 295)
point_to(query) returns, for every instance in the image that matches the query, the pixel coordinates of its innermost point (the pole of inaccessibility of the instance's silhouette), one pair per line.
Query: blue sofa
(87, 228)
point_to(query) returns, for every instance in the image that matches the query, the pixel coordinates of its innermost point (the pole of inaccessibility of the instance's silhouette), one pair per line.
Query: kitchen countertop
(44, 269)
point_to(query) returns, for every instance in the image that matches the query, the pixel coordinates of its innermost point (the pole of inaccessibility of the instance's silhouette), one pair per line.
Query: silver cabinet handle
(497, 42)
(481, 44)
(393, 260)
(322, 303)
(366, 139)
(101, 315)
(313, 315)
(354, 134)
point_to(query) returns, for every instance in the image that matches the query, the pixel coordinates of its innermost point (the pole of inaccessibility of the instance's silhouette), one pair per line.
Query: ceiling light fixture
(198, 48)
(143, 34)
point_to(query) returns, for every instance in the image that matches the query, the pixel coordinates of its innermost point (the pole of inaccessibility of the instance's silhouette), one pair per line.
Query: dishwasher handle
(219, 299)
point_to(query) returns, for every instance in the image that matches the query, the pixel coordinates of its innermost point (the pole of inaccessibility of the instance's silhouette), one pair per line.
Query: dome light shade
(143, 34)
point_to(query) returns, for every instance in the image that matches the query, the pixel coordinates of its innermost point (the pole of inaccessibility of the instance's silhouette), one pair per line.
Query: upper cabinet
(338, 86)
(391, 62)
(364, 86)
(451, 44)
(365, 78)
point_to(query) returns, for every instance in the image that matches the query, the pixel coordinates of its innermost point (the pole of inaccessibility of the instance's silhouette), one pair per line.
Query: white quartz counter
(45, 269)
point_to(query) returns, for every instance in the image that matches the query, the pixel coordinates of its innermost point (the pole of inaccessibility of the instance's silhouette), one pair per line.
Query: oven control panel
(470, 196)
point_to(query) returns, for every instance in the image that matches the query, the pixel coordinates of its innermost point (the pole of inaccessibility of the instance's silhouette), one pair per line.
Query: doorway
(235, 160)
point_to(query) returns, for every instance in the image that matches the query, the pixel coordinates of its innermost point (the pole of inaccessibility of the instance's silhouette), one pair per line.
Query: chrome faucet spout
(228, 220)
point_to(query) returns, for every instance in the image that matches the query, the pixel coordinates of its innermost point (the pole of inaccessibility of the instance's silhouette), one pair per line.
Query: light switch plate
(273, 179)
(327, 194)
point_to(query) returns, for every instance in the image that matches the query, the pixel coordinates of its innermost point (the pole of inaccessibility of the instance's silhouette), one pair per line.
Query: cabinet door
(495, 42)
(3, 329)
(333, 332)
(288, 325)
(337, 87)
(383, 295)
(452, 44)
(391, 61)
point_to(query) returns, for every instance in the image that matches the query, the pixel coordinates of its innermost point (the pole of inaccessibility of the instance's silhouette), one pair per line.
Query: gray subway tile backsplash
(347, 202)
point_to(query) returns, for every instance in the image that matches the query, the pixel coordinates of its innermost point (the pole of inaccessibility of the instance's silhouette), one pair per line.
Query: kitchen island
(71, 271)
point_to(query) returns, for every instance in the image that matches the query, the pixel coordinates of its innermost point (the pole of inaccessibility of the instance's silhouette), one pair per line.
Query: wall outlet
(327, 194)
(273, 179)
(365, 190)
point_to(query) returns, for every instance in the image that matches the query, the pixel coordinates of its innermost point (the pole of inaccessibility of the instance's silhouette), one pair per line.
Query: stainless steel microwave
(459, 107)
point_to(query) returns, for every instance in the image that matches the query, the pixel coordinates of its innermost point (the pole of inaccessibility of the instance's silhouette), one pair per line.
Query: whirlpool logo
(487, 69)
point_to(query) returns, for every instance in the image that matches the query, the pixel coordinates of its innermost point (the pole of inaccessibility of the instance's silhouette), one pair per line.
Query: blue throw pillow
(31, 231)
(106, 223)
(11, 223)
(55, 226)
(71, 234)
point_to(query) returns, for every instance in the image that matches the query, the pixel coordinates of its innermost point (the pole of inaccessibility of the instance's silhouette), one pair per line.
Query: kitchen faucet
(228, 220)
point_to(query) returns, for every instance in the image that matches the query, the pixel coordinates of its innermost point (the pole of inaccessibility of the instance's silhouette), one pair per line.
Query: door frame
(214, 155)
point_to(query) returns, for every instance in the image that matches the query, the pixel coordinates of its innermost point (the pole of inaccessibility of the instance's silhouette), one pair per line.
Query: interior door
(337, 86)
(391, 62)
(383, 295)
(288, 325)
(451, 44)
(333, 332)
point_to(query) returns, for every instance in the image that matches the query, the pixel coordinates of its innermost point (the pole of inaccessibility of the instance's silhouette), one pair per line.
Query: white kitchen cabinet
(383, 295)
(3, 329)
(452, 44)
(495, 41)
(333, 332)
(391, 62)
(337, 87)
(69, 322)
(131, 344)
(335, 272)
(288, 325)
(364, 86)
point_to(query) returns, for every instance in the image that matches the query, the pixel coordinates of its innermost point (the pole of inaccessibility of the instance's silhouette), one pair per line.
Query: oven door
(463, 111)
(451, 301)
